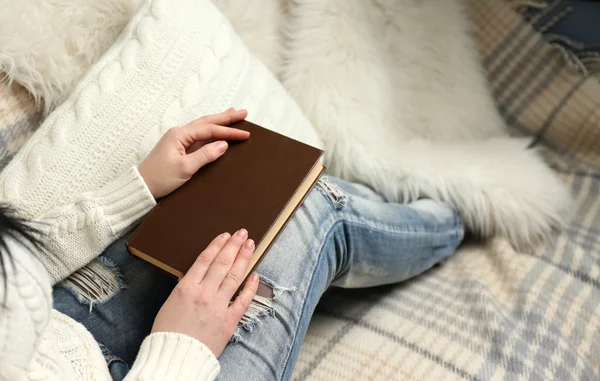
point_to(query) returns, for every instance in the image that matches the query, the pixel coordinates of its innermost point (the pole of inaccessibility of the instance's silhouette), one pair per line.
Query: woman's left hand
(199, 306)
(183, 150)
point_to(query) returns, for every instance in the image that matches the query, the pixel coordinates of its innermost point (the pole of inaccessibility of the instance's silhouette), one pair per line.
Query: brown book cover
(256, 185)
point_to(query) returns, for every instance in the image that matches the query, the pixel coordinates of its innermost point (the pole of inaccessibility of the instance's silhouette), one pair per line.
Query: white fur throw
(394, 87)
(48, 45)
(176, 60)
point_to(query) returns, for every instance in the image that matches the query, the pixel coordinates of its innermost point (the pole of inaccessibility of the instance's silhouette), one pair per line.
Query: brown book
(256, 185)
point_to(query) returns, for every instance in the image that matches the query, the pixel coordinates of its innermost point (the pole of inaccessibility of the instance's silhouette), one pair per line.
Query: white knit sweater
(165, 70)
(38, 343)
(78, 175)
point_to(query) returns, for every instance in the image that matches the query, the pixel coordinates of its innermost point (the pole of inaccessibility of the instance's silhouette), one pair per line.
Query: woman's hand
(184, 150)
(199, 306)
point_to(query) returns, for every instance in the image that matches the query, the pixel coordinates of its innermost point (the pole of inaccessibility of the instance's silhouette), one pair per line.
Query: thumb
(207, 154)
(241, 304)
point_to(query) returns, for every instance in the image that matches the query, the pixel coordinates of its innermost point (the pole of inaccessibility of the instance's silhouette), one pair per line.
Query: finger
(224, 260)
(195, 146)
(198, 132)
(202, 263)
(205, 154)
(235, 276)
(241, 304)
(226, 117)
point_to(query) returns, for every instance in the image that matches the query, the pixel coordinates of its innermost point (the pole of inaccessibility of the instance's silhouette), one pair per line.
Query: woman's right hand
(199, 306)
(183, 150)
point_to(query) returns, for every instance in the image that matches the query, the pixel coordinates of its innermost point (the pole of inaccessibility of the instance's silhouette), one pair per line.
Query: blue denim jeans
(343, 235)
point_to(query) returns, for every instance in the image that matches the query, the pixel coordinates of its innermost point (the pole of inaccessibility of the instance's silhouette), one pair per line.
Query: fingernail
(249, 244)
(254, 278)
(224, 236)
(243, 233)
(222, 146)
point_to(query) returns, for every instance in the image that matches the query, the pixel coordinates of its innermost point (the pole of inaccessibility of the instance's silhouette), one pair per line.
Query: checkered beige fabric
(488, 313)
(540, 89)
(19, 119)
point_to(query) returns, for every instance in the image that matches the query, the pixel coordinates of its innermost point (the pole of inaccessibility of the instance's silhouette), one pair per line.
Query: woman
(189, 332)
(343, 234)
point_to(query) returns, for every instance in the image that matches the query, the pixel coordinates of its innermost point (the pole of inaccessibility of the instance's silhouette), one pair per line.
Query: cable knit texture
(38, 343)
(76, 233)
(24, 317)
(74, 349)
(167, 70)
(173, 356)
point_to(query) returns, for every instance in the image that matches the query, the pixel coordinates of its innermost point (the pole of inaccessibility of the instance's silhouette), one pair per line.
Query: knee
(443, 222)
(441, 213)
(448, 224)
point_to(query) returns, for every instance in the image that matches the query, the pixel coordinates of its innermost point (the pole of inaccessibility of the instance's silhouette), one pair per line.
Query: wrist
(125, 200)
(143, 172)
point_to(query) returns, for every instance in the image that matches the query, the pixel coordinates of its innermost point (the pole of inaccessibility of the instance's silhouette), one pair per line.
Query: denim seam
(414, 227)
(335, 221)
(441, 228)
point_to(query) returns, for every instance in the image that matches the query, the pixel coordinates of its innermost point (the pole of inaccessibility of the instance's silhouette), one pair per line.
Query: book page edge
(153, 261)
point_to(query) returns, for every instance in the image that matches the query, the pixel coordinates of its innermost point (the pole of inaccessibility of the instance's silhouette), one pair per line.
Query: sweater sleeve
(77, 233)
(173, 357)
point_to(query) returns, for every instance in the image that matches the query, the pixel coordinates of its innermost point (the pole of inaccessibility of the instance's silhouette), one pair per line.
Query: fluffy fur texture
(395, 89)
(47, 45)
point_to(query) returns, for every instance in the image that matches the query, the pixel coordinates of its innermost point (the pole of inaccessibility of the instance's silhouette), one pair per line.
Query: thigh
(118, 317)
(266, 345)
(342, 233)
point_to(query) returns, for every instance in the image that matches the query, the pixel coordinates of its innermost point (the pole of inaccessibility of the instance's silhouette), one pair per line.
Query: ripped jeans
(343, 235)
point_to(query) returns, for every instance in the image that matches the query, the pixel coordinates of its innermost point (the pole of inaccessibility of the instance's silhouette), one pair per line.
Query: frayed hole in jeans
(259, 307)
(95, 283)
(109, 357)
(335, 195)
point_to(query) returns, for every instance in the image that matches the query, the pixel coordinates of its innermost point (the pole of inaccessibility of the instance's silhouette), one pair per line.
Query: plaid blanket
(487, 313)
(490, 313)
(19, 118)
